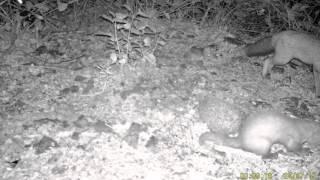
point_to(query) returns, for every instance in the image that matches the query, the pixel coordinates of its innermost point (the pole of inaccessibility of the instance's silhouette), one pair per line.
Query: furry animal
(219, 115)
(263, 129)
(288, 45)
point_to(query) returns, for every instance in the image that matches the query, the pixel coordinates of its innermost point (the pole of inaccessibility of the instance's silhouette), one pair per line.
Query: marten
(261, 130)
(288, 45)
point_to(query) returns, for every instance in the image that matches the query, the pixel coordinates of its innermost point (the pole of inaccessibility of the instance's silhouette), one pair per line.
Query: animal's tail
(260, 48)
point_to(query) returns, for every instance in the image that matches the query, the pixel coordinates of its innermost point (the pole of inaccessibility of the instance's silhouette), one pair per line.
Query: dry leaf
(147, 41)
(161, 43)
(121, 16)
(62, 6)
(127, 26)
(123, 59)
(127, 7)
(149, 57)
(100, 33)
(107, 18)
(113, 57)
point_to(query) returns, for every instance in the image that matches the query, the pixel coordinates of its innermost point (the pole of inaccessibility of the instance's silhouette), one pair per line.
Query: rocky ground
(73, 108)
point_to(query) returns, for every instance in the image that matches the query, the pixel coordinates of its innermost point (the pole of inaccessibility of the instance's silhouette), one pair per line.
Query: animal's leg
(279, 58)
(267, 66)
(316, 73)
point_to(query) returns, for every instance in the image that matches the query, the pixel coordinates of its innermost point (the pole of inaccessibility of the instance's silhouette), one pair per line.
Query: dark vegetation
(242, 17)
(247, 16)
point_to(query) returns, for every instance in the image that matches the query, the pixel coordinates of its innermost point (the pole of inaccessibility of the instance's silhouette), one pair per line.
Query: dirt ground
(69, 110)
